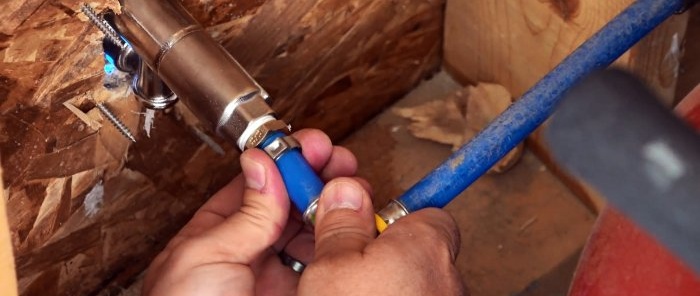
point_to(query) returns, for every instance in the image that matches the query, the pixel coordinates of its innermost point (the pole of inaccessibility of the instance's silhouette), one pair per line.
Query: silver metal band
(281, 145)
(393, 211)
(296, 265)
(309, 216)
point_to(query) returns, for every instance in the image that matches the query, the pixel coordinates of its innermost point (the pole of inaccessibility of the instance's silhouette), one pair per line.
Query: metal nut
(243, 113)
(264, 130)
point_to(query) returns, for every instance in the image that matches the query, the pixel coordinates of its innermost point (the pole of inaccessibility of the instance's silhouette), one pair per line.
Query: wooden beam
(515, 43)
(87, 209)
(689, 76)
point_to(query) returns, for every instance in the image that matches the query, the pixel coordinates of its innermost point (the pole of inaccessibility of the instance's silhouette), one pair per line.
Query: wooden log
(88, 210)
(515, 43)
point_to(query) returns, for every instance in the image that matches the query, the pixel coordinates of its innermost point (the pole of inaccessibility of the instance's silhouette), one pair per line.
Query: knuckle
(439, 229)
(312, 136)
(261, 222)
(334, 228)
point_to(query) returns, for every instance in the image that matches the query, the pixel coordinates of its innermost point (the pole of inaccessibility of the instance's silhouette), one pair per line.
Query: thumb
(262, 216)
(344, 220)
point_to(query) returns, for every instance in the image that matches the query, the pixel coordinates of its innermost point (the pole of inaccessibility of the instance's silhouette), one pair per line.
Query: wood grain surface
(515, 43)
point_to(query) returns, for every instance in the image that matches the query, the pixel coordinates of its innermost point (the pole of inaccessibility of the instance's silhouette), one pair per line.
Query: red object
(622, 259)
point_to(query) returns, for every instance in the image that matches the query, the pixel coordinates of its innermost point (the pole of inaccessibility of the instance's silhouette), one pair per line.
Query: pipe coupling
(150, 90)
(392, 212)
(309, 216)
(180, 51)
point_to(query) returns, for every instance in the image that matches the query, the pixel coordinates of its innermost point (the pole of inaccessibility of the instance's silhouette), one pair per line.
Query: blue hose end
(303, 185)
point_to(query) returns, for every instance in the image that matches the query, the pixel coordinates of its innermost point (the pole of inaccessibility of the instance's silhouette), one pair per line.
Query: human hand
(230, 245)
(414, 256)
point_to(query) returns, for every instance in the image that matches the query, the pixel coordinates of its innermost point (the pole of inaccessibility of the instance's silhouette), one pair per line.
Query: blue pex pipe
(471, 161)
(303, 185)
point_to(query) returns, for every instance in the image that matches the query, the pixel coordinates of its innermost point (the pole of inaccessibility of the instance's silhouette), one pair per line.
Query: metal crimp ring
(281, 145)
(309, 215)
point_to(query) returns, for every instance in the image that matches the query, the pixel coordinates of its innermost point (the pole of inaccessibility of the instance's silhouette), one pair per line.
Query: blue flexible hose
(471, 161)
(303, 185)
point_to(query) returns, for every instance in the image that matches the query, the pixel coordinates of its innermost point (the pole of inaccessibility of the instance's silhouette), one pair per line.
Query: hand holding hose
(415, 256)
(231, 245)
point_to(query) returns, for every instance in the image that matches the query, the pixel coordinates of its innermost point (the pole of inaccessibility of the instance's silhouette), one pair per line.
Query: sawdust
(457, 118)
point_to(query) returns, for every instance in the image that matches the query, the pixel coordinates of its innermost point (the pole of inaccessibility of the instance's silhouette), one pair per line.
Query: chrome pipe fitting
(150, 90)
(309, 216)
(393, 212)
(171, 42)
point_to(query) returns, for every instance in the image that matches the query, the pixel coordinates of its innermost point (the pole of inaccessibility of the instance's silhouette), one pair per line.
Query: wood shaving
(89, 121)
(457, 118)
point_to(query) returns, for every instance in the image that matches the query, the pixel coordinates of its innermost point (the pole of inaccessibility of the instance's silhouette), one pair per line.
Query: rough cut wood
(515, 43)
(88, 210)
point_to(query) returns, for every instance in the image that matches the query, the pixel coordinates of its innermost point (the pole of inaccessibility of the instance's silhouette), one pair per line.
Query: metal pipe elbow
(193, 65)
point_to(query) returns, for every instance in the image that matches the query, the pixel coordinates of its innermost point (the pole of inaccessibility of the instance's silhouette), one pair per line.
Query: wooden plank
(88, 209)
(515, 43)
(8, 279)
(689, 76)
(515, 227)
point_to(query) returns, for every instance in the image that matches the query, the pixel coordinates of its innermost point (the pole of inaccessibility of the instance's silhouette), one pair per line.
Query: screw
(116, 122)
(103, 25)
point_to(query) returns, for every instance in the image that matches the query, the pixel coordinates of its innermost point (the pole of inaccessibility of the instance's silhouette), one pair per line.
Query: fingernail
(254, 173)
(342, 195)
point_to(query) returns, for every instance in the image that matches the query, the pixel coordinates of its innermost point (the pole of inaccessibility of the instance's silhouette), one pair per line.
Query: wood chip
(89, 121)
(458, 118)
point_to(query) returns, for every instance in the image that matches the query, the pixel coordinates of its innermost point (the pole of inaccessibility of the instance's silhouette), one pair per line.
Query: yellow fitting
(381, 225)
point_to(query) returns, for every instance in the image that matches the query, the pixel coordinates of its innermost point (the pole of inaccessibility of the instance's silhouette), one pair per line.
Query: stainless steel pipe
(195, 67)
